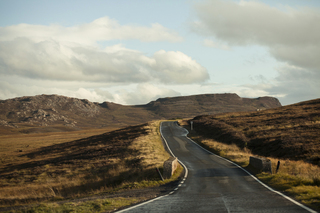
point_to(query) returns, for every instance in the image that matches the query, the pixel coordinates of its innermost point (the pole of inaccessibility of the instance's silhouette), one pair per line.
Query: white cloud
(139, 94)
(56, 61)
(292, 35)
(304, 56)
(292, 85)
(102, 29)
(297, 83)
(72, 54)
(251, 22)
(242, 90)
(11, 90)
(36, 59)
(144, 93)
(177, 68)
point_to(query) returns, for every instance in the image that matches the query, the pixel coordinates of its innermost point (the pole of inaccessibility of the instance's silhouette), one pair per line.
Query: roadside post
(278, 165)
(191, 124)
(159, 173)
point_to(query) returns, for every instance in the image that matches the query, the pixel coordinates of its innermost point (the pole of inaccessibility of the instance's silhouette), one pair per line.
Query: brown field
(289, 132)
(57, 166)
(12, 146)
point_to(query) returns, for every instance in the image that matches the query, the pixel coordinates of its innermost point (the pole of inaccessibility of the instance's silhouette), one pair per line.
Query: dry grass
(151, 147)
(13, 146)
(229, 151)
(57, 166)
(99, 205)
(290, 132)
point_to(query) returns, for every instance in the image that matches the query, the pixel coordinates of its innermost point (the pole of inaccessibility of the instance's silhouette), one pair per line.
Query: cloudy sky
(133, 52)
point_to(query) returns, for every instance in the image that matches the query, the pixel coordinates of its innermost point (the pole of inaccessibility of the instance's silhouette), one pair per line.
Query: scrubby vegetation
(290, 132)
(58, 170)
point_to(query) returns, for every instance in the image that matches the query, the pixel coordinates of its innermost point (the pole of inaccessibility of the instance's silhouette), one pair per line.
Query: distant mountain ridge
(57, 111)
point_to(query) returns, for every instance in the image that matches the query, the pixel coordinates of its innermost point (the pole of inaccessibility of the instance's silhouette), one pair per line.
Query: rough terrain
(49, 113)
(289, 132)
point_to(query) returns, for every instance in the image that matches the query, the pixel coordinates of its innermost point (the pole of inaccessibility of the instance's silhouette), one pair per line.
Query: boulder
(169, 166)
(261, 164)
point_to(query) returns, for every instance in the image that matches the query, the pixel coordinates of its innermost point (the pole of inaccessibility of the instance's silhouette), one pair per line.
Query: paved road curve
(213, 184)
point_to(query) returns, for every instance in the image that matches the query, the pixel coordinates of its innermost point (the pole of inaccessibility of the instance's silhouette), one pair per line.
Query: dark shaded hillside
(286, 132)
(43, 113)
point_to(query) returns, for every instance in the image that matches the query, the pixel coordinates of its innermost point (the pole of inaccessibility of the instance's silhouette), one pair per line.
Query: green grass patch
(301, 189)
(283, 181)
(308, 195)
(101, 205)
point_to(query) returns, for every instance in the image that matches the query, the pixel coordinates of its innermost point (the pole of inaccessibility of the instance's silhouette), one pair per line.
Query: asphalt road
(213, 184)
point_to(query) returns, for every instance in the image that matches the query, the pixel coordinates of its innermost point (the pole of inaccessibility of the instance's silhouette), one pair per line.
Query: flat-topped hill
(186, 106)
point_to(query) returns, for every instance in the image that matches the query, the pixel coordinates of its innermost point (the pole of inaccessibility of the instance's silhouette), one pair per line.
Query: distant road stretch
(213, 184)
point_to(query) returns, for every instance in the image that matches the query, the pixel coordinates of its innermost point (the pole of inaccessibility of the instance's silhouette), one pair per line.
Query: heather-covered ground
(52, 167)
(289, 132)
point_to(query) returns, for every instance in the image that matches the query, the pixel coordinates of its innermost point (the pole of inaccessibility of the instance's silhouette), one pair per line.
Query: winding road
(213, 184)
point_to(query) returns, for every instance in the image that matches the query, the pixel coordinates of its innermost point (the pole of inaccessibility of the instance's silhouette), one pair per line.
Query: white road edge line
(141, 204)
(277, 192)
(170, 193)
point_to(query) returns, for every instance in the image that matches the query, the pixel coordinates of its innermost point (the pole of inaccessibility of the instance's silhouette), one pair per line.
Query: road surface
(213, 184)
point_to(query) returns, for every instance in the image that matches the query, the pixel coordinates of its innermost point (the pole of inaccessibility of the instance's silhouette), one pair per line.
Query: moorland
(76, 155)
(289, 132)
(95, 171)
(54, 113)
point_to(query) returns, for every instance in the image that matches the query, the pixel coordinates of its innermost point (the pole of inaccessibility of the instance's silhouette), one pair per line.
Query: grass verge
(101, 205)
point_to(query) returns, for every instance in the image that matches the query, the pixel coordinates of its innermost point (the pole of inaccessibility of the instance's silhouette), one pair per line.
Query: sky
(133, 52)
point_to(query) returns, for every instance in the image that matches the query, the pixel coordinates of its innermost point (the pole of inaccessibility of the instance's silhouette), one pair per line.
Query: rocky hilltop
(60, 111)
(63, 113)
(46, 109)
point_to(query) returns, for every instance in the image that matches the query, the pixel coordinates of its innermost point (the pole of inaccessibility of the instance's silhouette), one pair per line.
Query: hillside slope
(286, 132)
(190, 106)
(60, 113)
(43, 113)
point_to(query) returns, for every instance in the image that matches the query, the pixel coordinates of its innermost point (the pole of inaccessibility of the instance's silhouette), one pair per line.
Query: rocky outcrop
(44, 110)
(6, 124)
